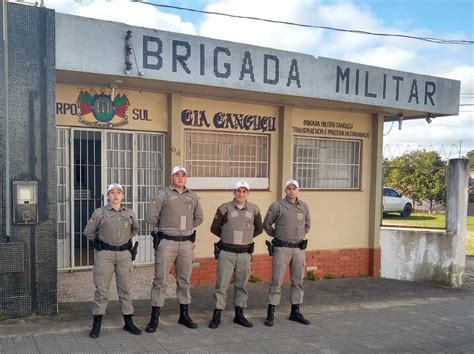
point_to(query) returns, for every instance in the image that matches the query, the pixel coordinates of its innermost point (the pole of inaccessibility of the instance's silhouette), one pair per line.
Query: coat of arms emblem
(102, 110)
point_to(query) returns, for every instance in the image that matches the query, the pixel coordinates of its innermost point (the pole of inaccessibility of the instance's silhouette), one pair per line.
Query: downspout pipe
(7, 189)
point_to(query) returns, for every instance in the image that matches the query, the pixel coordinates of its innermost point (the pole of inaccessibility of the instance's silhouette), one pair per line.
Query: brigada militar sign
(102, 110)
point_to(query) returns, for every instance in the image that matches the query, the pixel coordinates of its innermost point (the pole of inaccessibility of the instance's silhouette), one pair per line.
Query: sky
(451, 137)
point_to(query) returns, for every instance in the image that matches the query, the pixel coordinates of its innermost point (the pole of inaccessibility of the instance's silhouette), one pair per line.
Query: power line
(426, 39)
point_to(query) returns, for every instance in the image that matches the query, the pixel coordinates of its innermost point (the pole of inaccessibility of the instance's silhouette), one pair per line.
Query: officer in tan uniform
(175, 211)
(288, 222)
(236, 223)
(112, 227)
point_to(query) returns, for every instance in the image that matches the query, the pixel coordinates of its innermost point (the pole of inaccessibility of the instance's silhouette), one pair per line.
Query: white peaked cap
(241, 184)
(114, 186)
(293, 182)
(177, 169)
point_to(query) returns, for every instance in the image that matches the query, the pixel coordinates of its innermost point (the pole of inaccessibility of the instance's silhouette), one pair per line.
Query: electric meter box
(25, 202)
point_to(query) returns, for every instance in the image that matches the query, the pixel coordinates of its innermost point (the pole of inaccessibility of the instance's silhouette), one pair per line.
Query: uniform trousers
(106, 263)
(181, 254)
(282, 257)
(228, 264)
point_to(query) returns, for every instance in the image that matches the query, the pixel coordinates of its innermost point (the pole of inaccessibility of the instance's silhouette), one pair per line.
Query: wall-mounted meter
(25, 202)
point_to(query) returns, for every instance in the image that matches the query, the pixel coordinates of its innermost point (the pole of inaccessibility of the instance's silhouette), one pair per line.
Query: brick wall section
(352, 262)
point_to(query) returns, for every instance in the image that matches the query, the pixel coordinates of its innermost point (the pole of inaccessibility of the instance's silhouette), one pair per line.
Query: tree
(421, 175)
(470, 156)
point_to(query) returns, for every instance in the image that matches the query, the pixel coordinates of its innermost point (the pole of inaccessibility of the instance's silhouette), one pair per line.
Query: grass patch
(311, 276)
(3, 317)
(254, 279)
(434, 221)
(329, 276)
(470, 243)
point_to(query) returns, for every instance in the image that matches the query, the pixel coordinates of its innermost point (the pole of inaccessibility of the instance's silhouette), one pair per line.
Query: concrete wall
(417, 255)
(28, 271)
(428, 255)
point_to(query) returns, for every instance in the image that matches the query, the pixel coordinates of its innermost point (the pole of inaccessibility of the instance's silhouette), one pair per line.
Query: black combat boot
(184, 318)
(155, 317)
(94, 333)
(296, 315)
(270, 313)
(130, 326)
(240, 319)
(216, 319)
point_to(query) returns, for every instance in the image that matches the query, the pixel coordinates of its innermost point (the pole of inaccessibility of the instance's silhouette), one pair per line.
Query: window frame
(226, 182)
(345, 189)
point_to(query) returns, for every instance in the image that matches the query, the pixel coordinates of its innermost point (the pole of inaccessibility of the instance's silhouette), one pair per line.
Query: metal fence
(414, 197)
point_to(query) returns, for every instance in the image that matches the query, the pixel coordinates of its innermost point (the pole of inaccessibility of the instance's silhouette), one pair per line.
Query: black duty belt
(191, 237)
(280, 243)
(229, 248)
(100, 245)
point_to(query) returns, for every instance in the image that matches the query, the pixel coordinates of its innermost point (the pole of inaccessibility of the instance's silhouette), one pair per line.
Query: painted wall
(339, 217)
(143, 110)
(211, 200)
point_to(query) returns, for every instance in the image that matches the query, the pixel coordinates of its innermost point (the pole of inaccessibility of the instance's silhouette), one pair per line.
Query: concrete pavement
(347, 315)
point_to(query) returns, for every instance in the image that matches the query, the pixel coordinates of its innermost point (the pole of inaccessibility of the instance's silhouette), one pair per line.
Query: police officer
(287, 221)
(175, 211)
(236, 223)
(112, 227)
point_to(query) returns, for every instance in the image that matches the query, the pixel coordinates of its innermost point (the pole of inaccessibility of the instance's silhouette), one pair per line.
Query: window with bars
(217, 160)
(326, 163)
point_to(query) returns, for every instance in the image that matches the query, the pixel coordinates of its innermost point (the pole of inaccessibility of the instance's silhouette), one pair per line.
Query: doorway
(89, 160)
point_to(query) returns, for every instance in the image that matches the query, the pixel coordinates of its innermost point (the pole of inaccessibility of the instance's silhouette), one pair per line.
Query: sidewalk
(347, 315)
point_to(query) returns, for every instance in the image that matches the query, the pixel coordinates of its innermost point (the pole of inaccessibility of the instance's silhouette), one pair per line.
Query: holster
(134, 251)
(97, 244)
(270, 247)
(251, 248)
(193, 236)
(157, 237)
(216, 250)
(303, 244)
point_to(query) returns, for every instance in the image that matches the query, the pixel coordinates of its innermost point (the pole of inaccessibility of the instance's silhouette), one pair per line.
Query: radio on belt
(25, 202)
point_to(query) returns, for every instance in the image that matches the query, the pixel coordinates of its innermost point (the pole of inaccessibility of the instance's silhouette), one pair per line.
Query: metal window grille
(63, 221)
(326, 163)
(227, 156)
(149, 180)
(134, 160)
(119, 163)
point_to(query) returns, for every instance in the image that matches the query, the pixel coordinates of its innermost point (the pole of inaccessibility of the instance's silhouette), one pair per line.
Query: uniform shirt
(292, 221)
(114, 227)
(174, 213)
(237, 226)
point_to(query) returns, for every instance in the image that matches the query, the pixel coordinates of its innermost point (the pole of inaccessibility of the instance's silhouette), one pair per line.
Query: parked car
(395, 202)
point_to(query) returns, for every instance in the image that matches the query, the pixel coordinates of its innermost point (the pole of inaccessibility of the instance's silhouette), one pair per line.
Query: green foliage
(311, 276)
(3, 317)
(329, 276)
(429, 221)
(254, 279)
(470, 244)
(421, 175)
(470, 236)
(470, 156)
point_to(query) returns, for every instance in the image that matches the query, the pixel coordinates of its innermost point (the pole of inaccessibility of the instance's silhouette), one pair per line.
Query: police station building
(86, 102)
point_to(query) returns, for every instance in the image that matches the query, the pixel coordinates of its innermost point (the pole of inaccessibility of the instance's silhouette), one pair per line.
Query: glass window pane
(326, 163)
